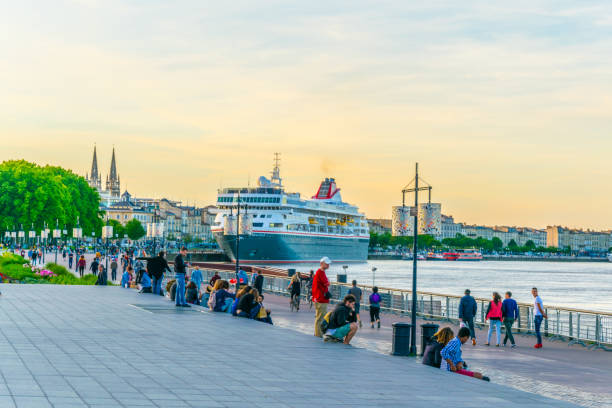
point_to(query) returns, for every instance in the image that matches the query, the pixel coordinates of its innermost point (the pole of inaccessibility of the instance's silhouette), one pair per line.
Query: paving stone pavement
(88, 346)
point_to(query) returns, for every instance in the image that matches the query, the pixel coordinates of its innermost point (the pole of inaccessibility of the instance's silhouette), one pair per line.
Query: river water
(583, 285)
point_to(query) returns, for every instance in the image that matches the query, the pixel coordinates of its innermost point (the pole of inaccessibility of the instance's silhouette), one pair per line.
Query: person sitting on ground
(431, 355)
(145, 282)
(243, 291)
(171, 289)
(191, 294)
(205, 296)
(221, 299)
(126, 278)
(375, 307)
(451, 356)
(342, 322)
(263, 314)
(249, 306)
(102, 276)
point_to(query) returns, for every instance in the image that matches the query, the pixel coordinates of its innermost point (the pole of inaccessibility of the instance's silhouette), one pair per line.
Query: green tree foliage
(497, 244)
(33, 194)
(530, 245)
(386, 239)
(134, 229)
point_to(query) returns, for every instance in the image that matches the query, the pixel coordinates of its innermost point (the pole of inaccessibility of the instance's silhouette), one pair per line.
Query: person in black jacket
(342, 322)
(94, 266)
(431, 355)
(258, 284)
(467, 311)
(156, 266)
(180, 267)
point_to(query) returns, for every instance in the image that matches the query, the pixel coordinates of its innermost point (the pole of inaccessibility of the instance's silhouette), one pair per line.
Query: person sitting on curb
(191, 294)
(205, 296)
(249, 305)
(243, 291)
(145, 283)
(263, 314)
(342, 322)
(126, 277)
(438, 341)
(451, 356)
(221, 299)
(102, 276)
(171, 289)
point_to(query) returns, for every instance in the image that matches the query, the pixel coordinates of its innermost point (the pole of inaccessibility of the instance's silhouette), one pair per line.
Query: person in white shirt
(538, 315)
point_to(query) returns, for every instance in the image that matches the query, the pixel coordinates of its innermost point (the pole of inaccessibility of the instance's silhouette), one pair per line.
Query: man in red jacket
(320, 294)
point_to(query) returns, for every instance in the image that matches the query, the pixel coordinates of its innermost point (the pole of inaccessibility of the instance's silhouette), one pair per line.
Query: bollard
(427, 330)
(401, 339)
(290, 272)
(341, 278)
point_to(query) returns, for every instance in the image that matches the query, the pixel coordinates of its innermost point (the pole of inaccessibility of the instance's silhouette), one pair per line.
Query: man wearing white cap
(320, 294)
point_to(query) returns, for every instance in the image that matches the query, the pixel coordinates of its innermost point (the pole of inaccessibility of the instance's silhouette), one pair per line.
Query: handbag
(262, 314)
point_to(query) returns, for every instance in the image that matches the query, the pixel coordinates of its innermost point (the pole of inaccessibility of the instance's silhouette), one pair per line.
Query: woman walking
(295, 286)
(81, 265)
(494, 315)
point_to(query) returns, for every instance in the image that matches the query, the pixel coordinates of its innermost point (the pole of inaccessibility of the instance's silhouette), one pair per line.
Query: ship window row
(249, 199)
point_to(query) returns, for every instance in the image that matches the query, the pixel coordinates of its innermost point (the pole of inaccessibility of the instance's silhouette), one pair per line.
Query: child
(375, 307)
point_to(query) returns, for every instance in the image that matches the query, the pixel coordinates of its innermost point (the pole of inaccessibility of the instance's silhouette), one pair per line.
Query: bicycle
(294, 303)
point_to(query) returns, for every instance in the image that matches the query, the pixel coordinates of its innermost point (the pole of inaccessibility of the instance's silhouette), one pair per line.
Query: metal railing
(589, 328)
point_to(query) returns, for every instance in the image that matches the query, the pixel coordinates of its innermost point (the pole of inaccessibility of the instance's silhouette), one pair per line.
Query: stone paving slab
(79, 346)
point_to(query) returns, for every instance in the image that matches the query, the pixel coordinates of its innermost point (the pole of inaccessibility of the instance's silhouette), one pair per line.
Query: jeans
(320, 311)
(469, 321)
(508, 326)
(538, 323)
(497, 325)
(180, 289)
(69, 263)
(157, 282)
(114, 274)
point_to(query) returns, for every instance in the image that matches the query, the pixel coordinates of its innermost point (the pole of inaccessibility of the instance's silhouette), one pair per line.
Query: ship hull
(272, 248)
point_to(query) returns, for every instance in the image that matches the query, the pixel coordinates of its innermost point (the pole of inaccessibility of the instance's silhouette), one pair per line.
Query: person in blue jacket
(467, 312)
(126, 277)
(145, 283)
(196, 277)
(241, 279)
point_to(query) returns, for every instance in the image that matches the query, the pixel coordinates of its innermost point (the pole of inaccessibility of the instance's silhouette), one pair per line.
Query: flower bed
(15, 269)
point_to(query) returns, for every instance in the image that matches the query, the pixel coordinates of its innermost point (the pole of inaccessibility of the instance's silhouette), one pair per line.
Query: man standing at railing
(538, 316)
(467, 311)
(180, 268)
(320, 294)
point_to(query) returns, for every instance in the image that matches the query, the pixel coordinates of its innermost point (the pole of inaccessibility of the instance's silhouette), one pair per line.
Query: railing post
(431, 305)
(448, 308)
(571, 326)
(558, 331)
(597, 328)
(546, 323)
(578, 325)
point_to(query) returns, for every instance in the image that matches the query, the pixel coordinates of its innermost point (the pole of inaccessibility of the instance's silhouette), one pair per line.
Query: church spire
(94, 177)
(112, 181)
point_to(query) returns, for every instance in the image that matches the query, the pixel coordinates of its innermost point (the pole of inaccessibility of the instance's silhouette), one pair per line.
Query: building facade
(578, 240)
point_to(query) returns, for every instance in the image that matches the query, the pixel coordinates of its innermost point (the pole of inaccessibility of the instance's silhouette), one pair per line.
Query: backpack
(325, 322)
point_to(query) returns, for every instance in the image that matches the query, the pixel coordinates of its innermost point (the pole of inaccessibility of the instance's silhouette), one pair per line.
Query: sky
(506, 107)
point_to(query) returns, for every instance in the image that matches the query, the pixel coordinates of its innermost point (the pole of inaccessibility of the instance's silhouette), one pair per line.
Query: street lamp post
(107, 232)
(77, 233)
(238, 240)
(56, 234)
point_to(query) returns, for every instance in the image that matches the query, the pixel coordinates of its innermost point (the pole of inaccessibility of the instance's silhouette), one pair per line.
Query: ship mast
(276, 171)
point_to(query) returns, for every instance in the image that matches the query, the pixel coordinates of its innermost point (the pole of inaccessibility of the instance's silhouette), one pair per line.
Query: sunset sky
(507, 107)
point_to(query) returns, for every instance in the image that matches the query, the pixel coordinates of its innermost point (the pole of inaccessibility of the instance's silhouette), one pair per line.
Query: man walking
(180, 267)
(356, 292)
(509, 315)
(538, 316)
(467, 311)
(113, 266)
(94, 266)
(70, 260)
(320, 294)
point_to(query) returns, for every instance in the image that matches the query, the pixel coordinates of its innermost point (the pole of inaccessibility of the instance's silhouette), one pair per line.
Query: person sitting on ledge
(343, 321)
(145, 283)
(249, 305)
(263, 314)
(451, 356)
(171, 289)
(205, 296)
(243, 291)
(221, 299)
(126, 277)
(431, 356)
(191, 294)
(102, 276)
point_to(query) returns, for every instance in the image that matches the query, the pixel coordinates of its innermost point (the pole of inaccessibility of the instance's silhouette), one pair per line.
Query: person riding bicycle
(295, 286)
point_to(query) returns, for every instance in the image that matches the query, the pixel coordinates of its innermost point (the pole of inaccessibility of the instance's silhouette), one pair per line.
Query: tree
(497, 244)
(530, 245)
(512, 245)
(134, 229)
(31, 194)
(118, 228)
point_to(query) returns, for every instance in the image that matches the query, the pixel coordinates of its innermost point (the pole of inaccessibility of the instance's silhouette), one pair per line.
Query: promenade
(89, 346)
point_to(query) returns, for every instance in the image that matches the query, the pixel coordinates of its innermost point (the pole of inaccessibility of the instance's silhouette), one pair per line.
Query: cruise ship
(277, 227)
